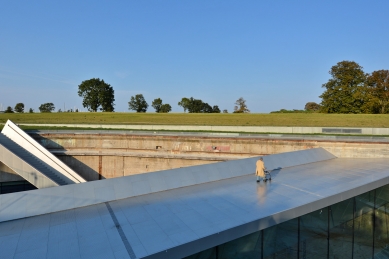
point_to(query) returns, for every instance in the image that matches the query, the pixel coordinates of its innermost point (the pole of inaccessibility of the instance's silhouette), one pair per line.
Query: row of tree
(98, 95)
(19, 108)
(351, 90)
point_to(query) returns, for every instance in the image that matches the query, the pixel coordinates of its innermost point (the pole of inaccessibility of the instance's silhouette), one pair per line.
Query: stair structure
(32, 161)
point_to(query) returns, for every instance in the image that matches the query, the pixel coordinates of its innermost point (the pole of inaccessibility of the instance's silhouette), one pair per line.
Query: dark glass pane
(206, 254)
(15, 186)
(341, 229)
(381, 233)
(363, 225)
(313, 234)
(247, 247)
(382, 196)
(281, 241)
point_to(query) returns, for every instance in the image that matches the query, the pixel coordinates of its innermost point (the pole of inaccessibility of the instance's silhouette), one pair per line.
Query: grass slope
(277, 119)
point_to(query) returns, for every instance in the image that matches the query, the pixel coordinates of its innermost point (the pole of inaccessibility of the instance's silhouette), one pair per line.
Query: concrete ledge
(251, 129)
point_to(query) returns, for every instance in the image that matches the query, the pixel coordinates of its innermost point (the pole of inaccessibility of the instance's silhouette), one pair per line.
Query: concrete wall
(7, 175)
(256, 129)
(99, 156)
(101, 166)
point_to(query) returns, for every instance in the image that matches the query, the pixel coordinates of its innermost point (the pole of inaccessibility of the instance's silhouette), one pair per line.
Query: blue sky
(275, 54)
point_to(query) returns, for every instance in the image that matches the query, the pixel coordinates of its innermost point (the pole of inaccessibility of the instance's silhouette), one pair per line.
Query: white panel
(13, 132)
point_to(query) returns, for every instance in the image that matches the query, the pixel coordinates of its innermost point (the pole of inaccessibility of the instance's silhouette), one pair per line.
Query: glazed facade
(354, 228)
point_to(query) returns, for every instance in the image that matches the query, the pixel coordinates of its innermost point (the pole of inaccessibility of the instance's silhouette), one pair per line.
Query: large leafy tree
(345, 92)
(240, 106)
(96, 95)
(160, 107)
(156, 104)
(215, 109)
(195, 105)
(19, 107)
(198, 106)
(9, 110)
(138, 103)
(378, 91)
(46, 107)
(184, 103)
(165, 108)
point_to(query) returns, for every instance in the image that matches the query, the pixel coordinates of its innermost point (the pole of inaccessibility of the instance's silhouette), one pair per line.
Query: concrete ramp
(32, 161)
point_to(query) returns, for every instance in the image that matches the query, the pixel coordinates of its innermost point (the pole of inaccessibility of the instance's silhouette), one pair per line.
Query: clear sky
(275, 54)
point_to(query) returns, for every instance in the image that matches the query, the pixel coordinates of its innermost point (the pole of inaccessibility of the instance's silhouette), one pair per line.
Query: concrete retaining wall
(99, 156)
(253, 129)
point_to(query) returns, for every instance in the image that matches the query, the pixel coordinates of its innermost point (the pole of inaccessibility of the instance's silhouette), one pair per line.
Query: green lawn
(274, 119)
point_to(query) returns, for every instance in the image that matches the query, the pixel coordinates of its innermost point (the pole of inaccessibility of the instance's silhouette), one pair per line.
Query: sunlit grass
(287, 119)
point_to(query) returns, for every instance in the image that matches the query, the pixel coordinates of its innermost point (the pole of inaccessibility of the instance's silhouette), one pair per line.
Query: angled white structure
(32, 161)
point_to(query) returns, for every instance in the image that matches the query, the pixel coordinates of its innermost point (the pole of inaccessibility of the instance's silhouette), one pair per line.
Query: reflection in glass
(281, 241)
(206, 254)
(341, 229)
(381, 223)
(313, 234)
(247, 247)
(363, 225)
(354, 228)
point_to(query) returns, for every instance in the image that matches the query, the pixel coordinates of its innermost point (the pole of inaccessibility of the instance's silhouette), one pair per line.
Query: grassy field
(277, 119)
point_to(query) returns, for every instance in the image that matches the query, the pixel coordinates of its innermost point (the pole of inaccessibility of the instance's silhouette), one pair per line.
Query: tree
(96, 93)
(241, 106)
(345, 91)
(185, 102)
(206, 108)
(198, 106)
(312, 106)
(9, 110)
(225, 111)
(156, 104)
(215, 109)
(31, 110)
(378, 91)
(138, 103)
(165, 108)
(46, 107)
(195, 106)
(19, 107)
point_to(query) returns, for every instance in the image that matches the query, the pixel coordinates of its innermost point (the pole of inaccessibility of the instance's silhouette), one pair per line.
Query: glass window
(341, 229)
(381, 232)
(363, 225)
(281, 241)
(206, 254)
(247, 247)
(313, 234)
(382, 196)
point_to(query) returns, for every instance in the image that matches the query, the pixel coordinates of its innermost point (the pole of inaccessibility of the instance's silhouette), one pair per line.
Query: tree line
(99, 96)
(19, 108)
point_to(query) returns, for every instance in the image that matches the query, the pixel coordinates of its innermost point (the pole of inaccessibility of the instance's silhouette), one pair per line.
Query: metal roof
(182, 221)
